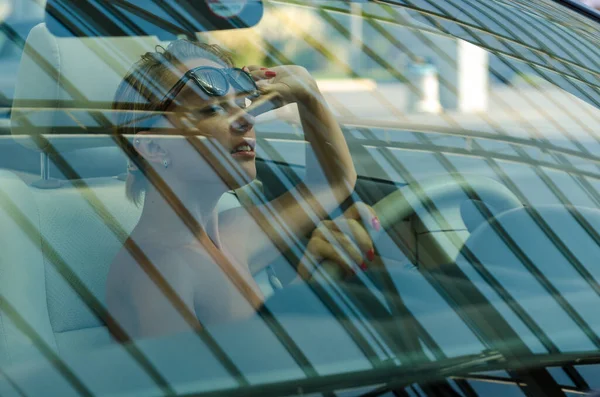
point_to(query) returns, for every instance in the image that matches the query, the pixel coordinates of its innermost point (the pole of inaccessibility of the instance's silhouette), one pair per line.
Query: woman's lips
(245, 149)
(244, 154)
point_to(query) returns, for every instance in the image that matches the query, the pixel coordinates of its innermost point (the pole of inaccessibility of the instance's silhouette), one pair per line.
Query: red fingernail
(270, 73)
(363, 266)
(371, 255)
(263, 68)
(375, 223)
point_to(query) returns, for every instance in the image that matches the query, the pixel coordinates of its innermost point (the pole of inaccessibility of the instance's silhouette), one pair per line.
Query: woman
(183, 266)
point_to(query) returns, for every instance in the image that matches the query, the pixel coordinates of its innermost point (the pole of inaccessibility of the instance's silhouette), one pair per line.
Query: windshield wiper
(465, 367)
(452, 366)
(395, 378)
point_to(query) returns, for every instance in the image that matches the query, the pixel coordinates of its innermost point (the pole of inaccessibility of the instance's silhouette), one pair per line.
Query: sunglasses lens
(243, 82)
(213, 81)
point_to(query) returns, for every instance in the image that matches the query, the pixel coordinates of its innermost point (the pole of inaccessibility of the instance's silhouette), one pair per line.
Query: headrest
(66, 85)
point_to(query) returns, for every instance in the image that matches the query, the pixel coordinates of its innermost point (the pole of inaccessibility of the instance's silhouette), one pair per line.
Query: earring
(166, 163)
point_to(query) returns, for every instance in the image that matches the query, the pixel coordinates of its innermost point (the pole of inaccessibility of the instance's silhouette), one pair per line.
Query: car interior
(64, 173)
(87, 202)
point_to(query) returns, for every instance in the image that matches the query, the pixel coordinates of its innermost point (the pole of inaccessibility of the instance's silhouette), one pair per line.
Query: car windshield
(388, 197)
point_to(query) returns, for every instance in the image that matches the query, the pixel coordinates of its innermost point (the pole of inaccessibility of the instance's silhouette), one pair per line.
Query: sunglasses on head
(214, 82)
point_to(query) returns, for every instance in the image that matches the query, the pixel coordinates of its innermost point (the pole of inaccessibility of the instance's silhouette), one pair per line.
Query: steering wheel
(392, 319)
(449, 193)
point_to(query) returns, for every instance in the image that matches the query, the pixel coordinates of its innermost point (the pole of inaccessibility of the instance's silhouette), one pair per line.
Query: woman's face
(229, 129)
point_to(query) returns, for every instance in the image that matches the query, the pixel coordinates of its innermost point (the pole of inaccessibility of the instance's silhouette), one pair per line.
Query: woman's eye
(213, 109)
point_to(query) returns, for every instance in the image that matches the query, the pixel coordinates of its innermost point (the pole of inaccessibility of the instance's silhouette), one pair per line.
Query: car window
(472, 129)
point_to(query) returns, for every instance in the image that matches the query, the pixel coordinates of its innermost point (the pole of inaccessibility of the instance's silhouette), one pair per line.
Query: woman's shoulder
(143, 288)
(139, 264)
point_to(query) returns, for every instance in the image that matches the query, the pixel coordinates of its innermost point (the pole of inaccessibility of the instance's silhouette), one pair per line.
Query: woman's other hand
(292, 83)
(345, 241)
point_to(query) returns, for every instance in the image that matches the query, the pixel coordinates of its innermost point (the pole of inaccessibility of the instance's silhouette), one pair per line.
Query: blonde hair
(142, 90)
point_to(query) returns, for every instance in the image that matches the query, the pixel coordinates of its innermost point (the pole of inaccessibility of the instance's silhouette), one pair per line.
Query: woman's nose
(242, 122)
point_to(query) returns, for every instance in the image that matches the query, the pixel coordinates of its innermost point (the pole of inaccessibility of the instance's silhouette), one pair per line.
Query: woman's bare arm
(330, 177)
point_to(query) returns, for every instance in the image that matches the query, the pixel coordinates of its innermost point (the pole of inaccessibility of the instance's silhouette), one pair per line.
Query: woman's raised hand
(346, 241)
(329, 180)
(292, 83)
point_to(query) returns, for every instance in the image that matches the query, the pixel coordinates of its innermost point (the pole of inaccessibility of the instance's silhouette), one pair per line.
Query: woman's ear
(148, 147)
